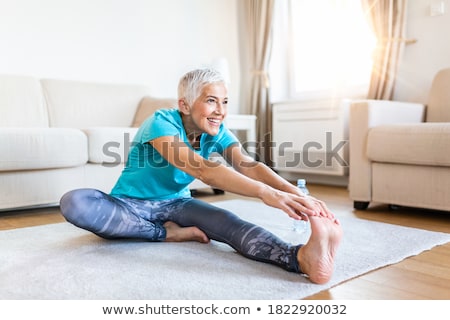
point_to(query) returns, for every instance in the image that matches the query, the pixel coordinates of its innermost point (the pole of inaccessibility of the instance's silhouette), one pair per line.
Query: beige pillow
(149, 105)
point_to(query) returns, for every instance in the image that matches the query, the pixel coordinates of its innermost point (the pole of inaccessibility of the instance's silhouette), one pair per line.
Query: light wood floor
(423, 277)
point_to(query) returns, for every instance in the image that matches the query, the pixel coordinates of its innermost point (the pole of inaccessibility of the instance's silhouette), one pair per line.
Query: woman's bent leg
(248, 239)
(107, 216)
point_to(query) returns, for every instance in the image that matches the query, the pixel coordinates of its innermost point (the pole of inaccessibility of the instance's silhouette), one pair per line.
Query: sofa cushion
(75, 104)
(22, 103)
(109, 145)
(149, 105)
(420, 144)
(41, 148)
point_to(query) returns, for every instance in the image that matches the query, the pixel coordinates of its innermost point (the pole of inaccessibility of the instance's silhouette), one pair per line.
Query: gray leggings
(113, 218)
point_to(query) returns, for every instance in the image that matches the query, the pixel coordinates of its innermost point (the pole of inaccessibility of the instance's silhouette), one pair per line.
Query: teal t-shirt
(147, 175)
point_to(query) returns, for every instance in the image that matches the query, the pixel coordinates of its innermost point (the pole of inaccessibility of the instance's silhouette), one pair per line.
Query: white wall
(155, 41)
(428, 55)
(152, 42)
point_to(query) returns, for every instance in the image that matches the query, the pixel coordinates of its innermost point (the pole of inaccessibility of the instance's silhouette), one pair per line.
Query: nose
(220, 108)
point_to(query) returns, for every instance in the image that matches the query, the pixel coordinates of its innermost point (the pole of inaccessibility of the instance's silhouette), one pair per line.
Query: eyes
(215, 101)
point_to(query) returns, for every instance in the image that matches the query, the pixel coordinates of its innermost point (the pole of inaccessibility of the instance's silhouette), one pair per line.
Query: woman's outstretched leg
(246, 238)
(315, 258)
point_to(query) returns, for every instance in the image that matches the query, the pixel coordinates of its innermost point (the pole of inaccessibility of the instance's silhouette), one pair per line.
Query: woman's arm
(179, 154)
(257, 170)
(260, 172)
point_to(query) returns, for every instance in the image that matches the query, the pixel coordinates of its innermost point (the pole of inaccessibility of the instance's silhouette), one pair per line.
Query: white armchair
(400, 152)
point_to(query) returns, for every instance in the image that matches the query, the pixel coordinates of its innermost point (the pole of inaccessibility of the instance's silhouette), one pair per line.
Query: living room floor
(423, 277)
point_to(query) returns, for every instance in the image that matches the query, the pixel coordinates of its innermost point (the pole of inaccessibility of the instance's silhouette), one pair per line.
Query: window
(327, 46)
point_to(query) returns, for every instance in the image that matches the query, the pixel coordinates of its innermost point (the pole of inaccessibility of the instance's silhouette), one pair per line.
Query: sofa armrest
(363, 115)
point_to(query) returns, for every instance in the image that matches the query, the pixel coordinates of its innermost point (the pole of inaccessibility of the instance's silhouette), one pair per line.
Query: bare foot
(316, 257)
(175, 233)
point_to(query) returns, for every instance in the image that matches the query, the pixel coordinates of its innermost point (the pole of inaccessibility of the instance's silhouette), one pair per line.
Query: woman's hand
(298, 207)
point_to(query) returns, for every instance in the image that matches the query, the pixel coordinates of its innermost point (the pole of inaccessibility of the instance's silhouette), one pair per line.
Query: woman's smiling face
(207, 112)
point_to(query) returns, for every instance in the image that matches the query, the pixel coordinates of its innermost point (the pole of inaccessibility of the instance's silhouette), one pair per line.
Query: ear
(184, 107)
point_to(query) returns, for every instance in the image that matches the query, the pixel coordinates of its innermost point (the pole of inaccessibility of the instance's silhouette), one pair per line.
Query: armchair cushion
(419, 144)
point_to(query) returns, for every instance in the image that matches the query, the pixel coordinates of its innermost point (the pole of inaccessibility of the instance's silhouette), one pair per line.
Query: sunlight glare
(332, 45)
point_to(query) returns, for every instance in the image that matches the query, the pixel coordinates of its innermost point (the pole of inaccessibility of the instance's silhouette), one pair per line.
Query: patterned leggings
(112, 218)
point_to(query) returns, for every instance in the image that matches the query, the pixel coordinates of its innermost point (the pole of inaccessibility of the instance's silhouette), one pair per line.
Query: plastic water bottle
(301, 225)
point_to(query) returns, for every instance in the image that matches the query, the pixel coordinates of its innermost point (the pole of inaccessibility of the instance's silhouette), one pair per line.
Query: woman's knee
(75, 204)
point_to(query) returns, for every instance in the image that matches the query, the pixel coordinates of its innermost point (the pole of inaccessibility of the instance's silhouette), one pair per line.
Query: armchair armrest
(381, 112)
(363, 115)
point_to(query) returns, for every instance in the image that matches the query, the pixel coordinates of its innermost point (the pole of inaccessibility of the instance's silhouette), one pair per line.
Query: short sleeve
(162, 123)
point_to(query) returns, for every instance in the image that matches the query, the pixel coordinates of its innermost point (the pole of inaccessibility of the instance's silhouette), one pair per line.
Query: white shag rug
(61, 261)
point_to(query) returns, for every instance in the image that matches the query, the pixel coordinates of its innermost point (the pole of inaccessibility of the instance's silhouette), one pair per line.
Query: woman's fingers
(299, 210)
(298, 207)
(313, 207)
(325, 212)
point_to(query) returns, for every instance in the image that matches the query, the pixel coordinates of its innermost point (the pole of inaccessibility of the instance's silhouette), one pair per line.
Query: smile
(214, 121)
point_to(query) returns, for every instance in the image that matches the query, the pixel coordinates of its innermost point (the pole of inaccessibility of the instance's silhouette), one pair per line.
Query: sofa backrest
(22, 103)
(77, 104)
(438, 107)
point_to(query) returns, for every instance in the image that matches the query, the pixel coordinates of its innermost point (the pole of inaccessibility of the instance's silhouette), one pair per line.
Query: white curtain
(259, 15)
(387, 18)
